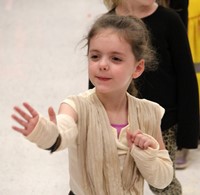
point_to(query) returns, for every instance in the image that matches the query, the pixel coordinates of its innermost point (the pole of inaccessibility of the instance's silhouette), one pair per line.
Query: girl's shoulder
(87, 93)
(81, 96)
(142, 100)
(146, 106)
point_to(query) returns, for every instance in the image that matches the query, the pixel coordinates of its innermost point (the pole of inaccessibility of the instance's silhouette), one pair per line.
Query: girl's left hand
(140, 140)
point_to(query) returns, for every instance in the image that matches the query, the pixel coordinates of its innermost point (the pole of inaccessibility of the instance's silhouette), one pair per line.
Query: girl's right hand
(28, 121)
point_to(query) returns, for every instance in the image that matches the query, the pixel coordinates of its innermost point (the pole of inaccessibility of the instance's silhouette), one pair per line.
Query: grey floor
(42, 61)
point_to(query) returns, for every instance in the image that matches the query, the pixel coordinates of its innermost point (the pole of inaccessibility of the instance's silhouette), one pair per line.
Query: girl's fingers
(31, 110)
(130, 138)
(20, 121)
(138, 139)
(136, 133)
(20, 130)
(27, 119)
(52, 115)
(141, 143)
(146, 144)
(22, 113)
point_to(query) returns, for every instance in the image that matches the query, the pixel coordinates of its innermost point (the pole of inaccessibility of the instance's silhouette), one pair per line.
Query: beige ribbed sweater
(97, 149)
(92, 143)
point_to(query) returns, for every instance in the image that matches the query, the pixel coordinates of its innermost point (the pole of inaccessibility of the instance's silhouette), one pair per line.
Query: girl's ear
(139, 69)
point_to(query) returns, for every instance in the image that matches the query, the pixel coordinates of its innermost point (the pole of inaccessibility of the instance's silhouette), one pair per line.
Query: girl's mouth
(103, 78)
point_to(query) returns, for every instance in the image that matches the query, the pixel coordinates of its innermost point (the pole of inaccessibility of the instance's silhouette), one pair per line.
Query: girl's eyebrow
(114, 52)
(119, 53)
(93, 50)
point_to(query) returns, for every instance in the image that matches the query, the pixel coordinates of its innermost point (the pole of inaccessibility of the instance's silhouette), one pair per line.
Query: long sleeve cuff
(44, 134)
(155, 166)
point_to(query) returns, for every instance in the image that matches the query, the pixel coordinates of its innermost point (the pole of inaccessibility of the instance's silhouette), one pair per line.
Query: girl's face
(112, 64)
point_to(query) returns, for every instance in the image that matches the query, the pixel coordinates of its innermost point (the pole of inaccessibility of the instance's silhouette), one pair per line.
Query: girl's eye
(116, 59)
(94, 57)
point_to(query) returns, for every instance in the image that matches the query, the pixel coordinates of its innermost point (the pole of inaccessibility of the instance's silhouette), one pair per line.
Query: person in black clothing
(180, 6)
(173, 85)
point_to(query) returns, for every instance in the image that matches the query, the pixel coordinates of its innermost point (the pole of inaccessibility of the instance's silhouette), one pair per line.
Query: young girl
(114, 139)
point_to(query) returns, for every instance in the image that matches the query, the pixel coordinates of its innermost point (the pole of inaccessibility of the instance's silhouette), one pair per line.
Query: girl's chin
(103, 89)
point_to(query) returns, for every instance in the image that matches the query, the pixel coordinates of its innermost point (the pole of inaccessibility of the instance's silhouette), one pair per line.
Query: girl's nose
(104, 67)
(103, 64)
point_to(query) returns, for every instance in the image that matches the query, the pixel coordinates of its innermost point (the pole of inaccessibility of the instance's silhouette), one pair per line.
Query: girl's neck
(113, 101)
(128, 7)
(116, 107)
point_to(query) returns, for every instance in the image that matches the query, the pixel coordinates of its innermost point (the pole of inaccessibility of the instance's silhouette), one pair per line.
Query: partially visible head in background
(114, 3)
(111, 3)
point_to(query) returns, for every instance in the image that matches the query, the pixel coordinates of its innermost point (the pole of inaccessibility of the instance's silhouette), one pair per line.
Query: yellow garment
(194, 29)
(198, 79)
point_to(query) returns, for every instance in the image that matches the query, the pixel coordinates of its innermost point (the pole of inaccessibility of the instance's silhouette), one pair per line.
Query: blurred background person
(189, 12)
